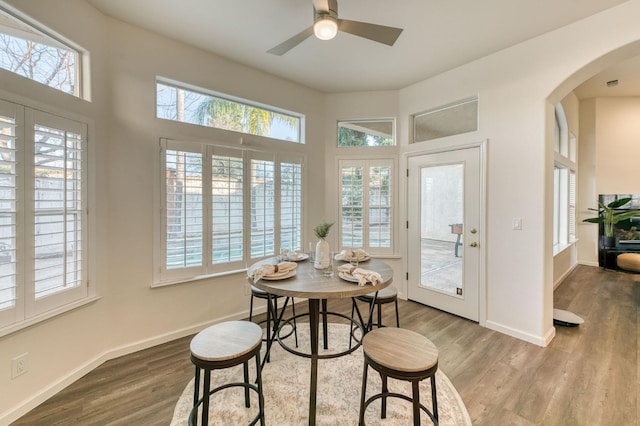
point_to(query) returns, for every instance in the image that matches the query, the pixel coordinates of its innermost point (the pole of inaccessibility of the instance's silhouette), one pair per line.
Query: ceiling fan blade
(287, 45)
(375, 32)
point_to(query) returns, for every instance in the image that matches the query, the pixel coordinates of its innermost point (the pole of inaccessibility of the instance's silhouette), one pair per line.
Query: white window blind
(211, 221)
(227, 205)
(262, 208)
(43, 214)
(8, 210)
(184, 202)
(366, 205)
(58, 200)
(380, 205)
(291, 206)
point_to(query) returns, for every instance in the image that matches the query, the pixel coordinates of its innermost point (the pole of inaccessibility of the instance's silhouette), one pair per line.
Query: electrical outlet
(247, 289)
(19, 365)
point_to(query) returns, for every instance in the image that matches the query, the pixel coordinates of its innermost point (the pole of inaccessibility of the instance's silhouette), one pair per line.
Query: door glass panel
(441, 228)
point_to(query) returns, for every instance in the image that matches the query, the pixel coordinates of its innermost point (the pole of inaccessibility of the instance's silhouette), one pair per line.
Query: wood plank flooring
(587, 376)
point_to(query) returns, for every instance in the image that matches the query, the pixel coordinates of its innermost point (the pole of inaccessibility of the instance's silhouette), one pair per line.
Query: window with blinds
(366, 205)
(184, 202)
(291, 206)
(227, 206)
(43, 214)
(211, 221)
(262, 208)
(8, 184)
(58, 197)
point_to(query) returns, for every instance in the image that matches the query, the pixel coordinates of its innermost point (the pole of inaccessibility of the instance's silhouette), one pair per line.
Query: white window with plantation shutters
(212, 221)
(291, 205)
(11, 290)
(43, 215)
(366, 205)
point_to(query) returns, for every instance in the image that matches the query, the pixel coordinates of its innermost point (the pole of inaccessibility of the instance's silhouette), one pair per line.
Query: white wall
(516, 87)
(124, 143)
(611, 158)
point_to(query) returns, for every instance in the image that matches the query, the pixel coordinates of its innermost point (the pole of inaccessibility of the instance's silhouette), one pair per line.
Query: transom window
(35, 54)
(370, 132)
(198, 106)
(224, 208)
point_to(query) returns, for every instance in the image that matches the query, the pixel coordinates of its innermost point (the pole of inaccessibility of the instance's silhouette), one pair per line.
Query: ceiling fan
(326, 24)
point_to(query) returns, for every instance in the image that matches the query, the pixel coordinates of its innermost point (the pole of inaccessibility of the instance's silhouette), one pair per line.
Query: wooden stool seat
(386, 295)
(402, 355)
(221, 346)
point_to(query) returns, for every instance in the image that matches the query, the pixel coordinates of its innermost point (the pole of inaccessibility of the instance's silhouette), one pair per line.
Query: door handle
(474, 244)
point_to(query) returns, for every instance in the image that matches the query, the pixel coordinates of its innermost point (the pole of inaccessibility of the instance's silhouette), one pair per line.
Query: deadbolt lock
(473, 230)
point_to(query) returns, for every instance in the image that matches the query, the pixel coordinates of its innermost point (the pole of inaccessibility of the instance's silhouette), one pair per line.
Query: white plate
(301, 257)
(364, 259)
(279, 277)
(348, 277)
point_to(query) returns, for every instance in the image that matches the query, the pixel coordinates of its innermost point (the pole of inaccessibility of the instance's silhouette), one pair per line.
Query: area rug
(286, 389)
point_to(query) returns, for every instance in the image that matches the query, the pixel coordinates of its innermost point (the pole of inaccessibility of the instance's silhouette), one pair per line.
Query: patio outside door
(444, 230)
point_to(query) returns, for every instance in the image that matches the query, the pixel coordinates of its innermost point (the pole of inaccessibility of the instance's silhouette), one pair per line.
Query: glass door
(444, 230)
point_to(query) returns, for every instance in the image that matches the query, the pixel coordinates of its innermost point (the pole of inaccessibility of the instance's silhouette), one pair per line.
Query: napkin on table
(268, 270)
(348, 254)
(363, 275)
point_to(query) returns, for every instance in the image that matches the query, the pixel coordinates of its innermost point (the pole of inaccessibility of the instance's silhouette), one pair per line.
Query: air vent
(612, 83)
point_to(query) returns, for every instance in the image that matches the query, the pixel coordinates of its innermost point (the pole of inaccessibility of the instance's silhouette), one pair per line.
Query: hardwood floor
(587, 376)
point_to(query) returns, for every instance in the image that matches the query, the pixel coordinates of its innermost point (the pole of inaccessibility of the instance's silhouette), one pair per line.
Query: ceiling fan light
(325, 28)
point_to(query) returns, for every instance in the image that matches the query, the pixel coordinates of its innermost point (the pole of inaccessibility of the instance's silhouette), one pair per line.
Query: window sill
(559, 248)
(46, 315)
(159, 284)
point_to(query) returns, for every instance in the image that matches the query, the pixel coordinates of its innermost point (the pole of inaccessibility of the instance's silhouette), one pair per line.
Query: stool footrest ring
(395, 395)
(194, 410)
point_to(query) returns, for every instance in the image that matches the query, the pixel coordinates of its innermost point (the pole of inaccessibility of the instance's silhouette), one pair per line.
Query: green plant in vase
(322, 247)
(609, 215)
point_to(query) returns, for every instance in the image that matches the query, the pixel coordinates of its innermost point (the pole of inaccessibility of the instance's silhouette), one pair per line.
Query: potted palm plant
(609, 215)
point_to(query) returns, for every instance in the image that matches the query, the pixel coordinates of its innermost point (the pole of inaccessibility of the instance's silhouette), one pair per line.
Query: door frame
(482, 241)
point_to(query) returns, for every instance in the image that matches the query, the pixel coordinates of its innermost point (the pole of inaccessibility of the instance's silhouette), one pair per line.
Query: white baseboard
(519, 334)
(47, 391)
(564, 276)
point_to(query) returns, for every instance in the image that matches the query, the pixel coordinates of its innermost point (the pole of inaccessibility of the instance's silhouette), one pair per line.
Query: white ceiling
(438, 35)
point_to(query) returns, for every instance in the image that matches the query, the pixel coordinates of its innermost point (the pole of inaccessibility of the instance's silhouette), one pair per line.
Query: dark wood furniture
(402, 355)
(607, 256)
(221, 346)
(310, 283)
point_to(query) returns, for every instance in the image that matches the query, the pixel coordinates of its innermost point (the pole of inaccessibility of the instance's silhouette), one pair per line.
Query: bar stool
(272, 314)
(388, 294)
(403, 355)
(221, 346)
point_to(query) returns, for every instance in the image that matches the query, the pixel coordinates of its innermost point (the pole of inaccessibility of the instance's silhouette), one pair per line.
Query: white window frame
(22, 27)
(365, 164)
(565, 181)
(165, 276)
(185, 90)
(30, 308)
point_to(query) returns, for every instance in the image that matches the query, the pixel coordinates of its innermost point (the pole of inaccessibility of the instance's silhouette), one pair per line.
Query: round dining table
(311, 283)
